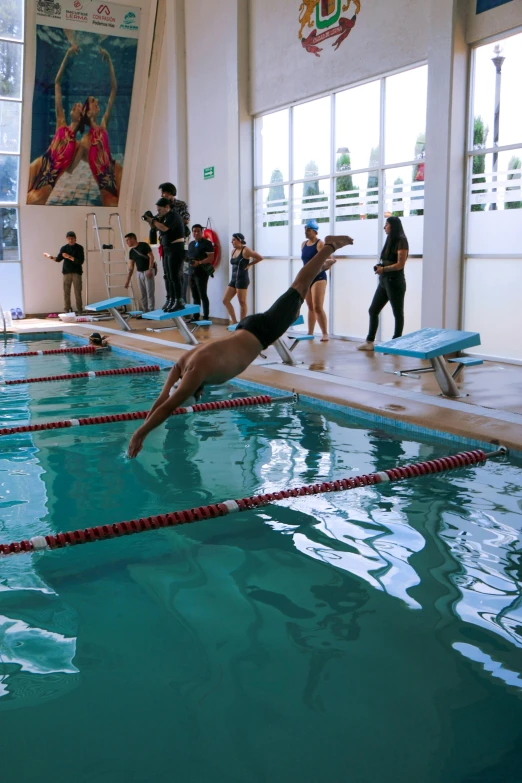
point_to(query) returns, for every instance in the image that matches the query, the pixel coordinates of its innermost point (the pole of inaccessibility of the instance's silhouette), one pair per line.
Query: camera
(148, 215)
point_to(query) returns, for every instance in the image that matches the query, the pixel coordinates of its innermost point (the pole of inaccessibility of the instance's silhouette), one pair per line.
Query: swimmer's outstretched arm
(172, 378)
(190, 382)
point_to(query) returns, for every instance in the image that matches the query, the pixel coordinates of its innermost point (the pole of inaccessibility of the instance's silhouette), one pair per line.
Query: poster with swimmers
(85, 62)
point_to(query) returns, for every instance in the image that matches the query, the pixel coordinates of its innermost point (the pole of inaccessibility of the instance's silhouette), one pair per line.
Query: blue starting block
(111, 305)
(196, 324)
(177, 317)
(433, 345)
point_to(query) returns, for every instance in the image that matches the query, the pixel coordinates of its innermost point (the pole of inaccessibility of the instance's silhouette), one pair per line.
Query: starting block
(196, 324)
(177, 317)
(111, 305)
(434, 345)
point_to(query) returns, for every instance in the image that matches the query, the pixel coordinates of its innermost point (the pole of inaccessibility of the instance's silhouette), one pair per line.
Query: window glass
(311, 201)
(11, 19)
(405, 115)
(497, 70)
(272, 280)
(311, 139)
(404, 198)
(10, 70)
(272, 140)
(357, 210)
(10, 126)
(272, 221)
(8, 178)
(357, 127)
(9, 249)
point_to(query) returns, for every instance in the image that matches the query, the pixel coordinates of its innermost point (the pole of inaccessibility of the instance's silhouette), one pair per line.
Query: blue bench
(111, 305)
(281, 347)
(434, 345)
(177, 317)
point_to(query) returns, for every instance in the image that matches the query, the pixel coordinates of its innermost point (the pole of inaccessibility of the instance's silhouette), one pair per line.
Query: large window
(11, 59)
(493, 258)
(348, 160)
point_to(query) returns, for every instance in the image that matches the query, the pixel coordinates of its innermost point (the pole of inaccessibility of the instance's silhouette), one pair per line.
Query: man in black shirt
(170, 226)
(200, 257)
(73, 257)
(140, 256)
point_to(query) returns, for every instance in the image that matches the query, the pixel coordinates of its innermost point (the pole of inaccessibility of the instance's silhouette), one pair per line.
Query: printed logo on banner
(129, 22)
(77, 15)
(49, 8)
(325, 17)
(103, 17)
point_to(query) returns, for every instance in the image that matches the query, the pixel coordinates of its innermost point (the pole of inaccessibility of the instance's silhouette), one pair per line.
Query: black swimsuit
(240, 277)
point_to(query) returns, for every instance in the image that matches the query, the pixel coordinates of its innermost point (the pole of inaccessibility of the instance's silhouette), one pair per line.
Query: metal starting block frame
(179, 323)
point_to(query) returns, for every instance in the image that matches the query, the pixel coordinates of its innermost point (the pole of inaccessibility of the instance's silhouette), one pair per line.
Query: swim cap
(95, 336)
(313, 224)
(240, 236)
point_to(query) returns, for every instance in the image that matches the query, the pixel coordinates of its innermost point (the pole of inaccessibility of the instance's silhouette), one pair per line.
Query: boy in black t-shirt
(200, 256)
(73, 257)
(140, 256)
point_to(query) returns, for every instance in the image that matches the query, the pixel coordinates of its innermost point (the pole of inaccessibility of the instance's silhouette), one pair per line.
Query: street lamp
(498, 61)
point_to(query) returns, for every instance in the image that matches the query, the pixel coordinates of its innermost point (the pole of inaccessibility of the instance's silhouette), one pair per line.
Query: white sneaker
(367, 346)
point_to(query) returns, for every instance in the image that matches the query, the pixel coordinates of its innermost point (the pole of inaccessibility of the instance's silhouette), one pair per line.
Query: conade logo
(104, 9)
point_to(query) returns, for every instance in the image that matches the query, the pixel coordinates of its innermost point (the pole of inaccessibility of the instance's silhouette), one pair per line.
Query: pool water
(368, 635)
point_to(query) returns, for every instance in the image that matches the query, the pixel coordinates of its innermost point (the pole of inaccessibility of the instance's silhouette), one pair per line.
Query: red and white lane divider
(92, 374)
(80, 349)
(238, 402)
(102, 532)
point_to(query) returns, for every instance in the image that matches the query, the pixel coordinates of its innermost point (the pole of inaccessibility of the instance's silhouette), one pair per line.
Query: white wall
(498, 20)
(387, 36)
(218, 126)
(44, 227)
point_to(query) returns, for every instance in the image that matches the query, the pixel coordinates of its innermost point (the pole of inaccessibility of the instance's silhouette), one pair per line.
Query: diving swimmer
(221, 360)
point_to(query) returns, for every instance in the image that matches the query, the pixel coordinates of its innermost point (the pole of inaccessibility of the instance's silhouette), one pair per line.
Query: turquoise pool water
(371, 635)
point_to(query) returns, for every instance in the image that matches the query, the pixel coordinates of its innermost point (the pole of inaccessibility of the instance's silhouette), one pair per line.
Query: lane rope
(103, 532)
(90, 374)
(52, 351)
(237, 402)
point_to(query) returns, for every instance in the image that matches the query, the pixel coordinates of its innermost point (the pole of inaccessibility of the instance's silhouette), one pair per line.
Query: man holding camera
(172, 239)
(200, 257)
(140, 256)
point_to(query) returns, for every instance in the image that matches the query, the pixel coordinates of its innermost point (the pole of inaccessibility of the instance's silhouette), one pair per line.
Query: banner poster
(85, 62)
(487, 5)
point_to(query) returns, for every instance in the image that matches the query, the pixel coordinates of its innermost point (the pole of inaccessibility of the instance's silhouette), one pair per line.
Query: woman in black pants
(392, 282)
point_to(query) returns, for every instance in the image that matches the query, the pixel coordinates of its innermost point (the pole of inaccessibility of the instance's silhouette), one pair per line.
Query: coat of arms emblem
(327, 21)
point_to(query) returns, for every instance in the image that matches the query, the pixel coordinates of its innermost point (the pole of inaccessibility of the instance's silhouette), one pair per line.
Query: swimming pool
(370, 635)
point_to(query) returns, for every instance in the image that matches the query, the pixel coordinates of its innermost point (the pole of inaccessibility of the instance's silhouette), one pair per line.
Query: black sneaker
(178, 304)
(166, 306)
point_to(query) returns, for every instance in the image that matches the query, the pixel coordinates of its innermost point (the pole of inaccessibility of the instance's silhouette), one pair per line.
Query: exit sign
(208, 173)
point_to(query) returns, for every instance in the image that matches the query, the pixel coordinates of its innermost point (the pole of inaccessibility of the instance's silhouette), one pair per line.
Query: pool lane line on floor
(213, 510)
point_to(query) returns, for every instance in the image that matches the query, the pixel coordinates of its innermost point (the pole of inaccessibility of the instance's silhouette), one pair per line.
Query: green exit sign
(208, 173)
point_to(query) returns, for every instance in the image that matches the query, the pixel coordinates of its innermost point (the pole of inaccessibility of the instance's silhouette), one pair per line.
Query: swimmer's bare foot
(336, 243)
(328, 264)
(324, 338)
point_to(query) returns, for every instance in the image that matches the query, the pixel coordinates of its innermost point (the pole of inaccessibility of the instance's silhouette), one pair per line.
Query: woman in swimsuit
(46, 170)
(317, 291)
(94, 146)
(241, 261)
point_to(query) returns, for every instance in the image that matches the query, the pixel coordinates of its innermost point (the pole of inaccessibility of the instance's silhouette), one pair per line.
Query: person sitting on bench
(221, 360)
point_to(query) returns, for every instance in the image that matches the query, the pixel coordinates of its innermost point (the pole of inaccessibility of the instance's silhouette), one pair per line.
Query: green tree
(276, 200)
(311, 188)
(514, 165)
(345, 188)
(480, 135)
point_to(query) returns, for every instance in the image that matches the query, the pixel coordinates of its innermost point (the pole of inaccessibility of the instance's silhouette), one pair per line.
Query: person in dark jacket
(72, 256)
